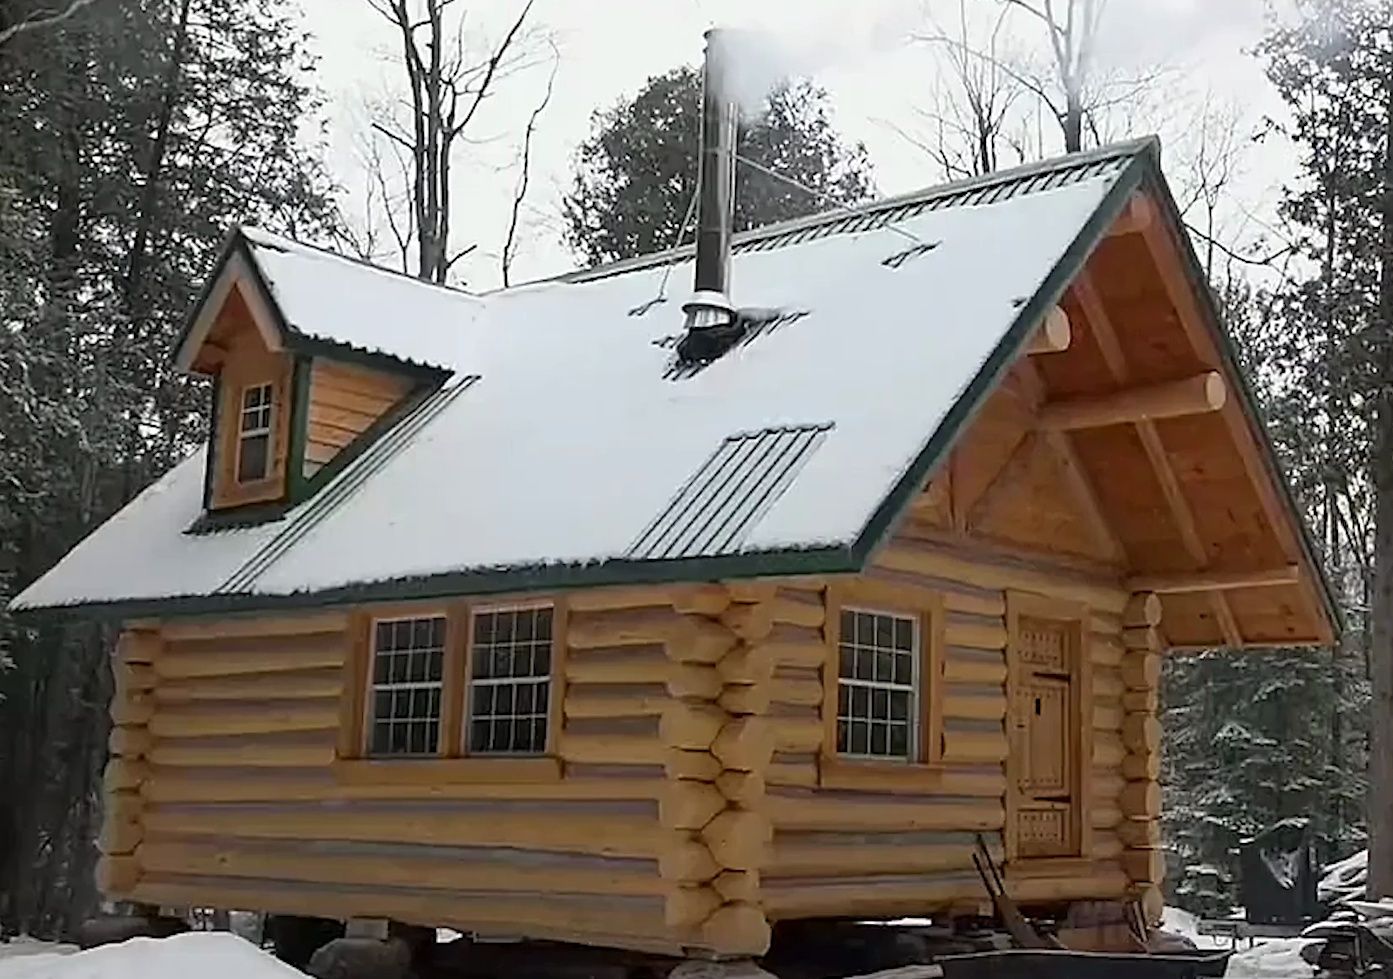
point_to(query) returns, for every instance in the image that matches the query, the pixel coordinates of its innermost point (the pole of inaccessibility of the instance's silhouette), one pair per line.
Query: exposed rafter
(1195, 395)
(1053, 334)
(1203, 581)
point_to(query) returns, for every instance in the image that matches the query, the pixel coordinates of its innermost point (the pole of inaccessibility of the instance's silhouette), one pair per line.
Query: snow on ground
(205, 954)
(1272, 958)
(24, 945)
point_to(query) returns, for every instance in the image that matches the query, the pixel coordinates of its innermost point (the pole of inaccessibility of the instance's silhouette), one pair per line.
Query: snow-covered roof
(564, 449)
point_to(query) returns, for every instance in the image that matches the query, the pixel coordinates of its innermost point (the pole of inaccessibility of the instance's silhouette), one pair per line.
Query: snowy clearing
(207, 955)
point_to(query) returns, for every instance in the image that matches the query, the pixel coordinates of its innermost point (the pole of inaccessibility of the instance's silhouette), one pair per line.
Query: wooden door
(1043, 738)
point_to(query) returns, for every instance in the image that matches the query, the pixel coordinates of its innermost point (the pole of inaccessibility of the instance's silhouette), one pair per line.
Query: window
(254, 434)
(877, 685)
(509, 681)
(408, 666)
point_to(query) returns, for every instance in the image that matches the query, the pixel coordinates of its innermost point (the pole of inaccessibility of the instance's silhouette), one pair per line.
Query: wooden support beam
(1052, 335)
(1136, 217)
(1197, 395)
(1179, 584)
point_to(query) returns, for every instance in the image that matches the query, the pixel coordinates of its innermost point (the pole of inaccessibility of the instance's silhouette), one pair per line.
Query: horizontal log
(117, 874)
(275, 655)
(1147, 638)
(751, 622)
(255, 686)
(798, 608)
(974, 632)
(744, 789)
(815, 813)
(797, 856)
(1141, 670)
(1141, 701)
(1200, 394)
(619, 922)
(640, 665)
(290, 754)
(798, 692)
(121, 830)
(974, 706)
(1107, 715)
(974, 746)
(249, 626)
(570, 830)
(132, 742)
(1143, 609)
(746, 590)
(746, 664)
(175, 785)
(744, 744)
(700, 640)
(129, 678)
(869, 897)
(1105, 845)
(134, 709)
(272, 717)
(610, 749)
(1147, 766)
(685, 858)
(1153, 904)
(1108, 750)
(1137, 216)
(1107, 683)
(961, 669)
(1103, 814)
(694, 681)
(1106, 784)
(800, 773)
(690, 726)
(700, 765)
(797, 734)
(688, 805)
(687, 906)
(621, 627)
(1107, 882)
(1141, 733)
(124, 773)
(493, 871)
(1105, 651)
(1139, 832)
(934, 560)
(914, 590)
(138, 647)
(708, 599)
(1052, 335)
(738, 839)
(1146, 866)
(1105, 624)
(587, 702)
(628, 597)
(1202, 581)
(1141, 799)
(739, 928)
(738, 885)
(748, 698)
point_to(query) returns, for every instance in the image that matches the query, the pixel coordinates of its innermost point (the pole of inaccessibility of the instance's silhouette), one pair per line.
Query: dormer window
(254, 434)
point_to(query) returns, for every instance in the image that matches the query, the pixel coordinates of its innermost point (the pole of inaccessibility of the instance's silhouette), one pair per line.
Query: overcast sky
(861, 51)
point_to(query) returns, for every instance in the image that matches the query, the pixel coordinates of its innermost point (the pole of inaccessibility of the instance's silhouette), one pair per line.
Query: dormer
(292, 404)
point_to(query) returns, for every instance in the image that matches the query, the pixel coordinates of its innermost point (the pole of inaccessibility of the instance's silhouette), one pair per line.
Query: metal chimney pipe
(710, 302)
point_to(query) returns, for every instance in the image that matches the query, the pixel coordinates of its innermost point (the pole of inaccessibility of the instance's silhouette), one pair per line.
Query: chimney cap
(708, 299)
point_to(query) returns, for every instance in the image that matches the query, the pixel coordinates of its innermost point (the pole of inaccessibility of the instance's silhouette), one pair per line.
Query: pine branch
(45, 18)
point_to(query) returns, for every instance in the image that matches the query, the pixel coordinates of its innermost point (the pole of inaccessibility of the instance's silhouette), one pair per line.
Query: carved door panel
(1043, 740)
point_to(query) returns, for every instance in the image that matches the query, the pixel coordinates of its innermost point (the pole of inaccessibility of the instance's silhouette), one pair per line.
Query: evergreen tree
(637, 172)
(135, 135)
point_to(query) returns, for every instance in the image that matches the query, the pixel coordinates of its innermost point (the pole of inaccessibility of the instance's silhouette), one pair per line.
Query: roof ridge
(1118, 150)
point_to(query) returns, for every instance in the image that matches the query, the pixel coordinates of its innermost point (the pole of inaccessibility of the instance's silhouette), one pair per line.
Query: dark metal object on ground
(1021, 930)
(109, 929)
(1065, 964)
(1277, 875)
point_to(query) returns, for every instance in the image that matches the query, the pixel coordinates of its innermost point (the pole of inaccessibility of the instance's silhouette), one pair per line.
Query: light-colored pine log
(738, 885)
(1204, 581)
(1139, 832)
(710, 599)
(1105, 624)
(820, 813)
(1141, 670)
(1104, 814)
(977, 707)
(700, 640)
(1104, 883)
(797, 734)
(124, 773)
(799, 608)
(793, 651)
(132, 742)
(798, 692)
(1108, 750)
(974, 633)
(1141, 701)
(1143, 609)
(1105, 651)
(799, 856)
(691, 726)
(689, 805)
(273, 717)
(1141, 799)
(129, 678)
(630, 596)
(879, 897)
(264, 686)
(1106, 784)
(1107, 715)
(744, 744)
(1108, 683)
(570, 830)
(912, 590)
(1200, 394)
(1147, 866)
(250, 626)
(134, 709)
(800, 773)
(687, 906)
(289, 755)
(1141, 733)
(933, 560)
(686, 859)
(747, 698)
(585, 703)
(116, 874)
(700, 765)
(538, 873)
(648, 665)
(738, 839)
(1147, 766)
(176, 785)
(747, 664)
(744, 789)
(1148, 638)
(750, 622)
(962, 670)
(978, 747)
(737, 929)
(694, 681)
(610, 749)
(138, 647)
(621, 627)
(752, 592)
(1153, 905)
(1137, 216)
(1052, 335)
(295, 654)
(1105, 845)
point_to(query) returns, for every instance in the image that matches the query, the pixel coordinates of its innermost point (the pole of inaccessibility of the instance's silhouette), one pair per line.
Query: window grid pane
(877, 685)
(510, 681)
(254, 434)
(407, 670)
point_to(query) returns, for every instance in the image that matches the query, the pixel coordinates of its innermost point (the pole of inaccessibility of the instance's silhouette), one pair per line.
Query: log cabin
(545, 612)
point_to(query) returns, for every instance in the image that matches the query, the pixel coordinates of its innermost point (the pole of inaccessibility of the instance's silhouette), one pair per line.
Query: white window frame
(914, 687)
(244, 433)
(471, 681)
(370, 718)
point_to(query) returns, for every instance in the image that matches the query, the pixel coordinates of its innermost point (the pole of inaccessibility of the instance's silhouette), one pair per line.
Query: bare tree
(1073, 36)
(43, 17)
(509, 252)
(445, 89)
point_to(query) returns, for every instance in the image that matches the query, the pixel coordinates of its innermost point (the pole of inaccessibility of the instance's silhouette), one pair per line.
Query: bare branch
(43, 18)
(510, 242)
